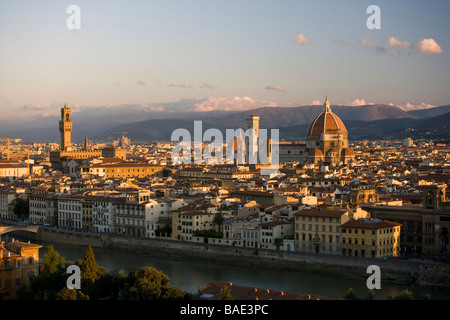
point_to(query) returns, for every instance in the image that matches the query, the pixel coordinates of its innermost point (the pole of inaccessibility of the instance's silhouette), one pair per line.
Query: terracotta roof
(316, 153)
(370, 224)
(347, 152)
(326, 122)
(320, 213)
(213, 291)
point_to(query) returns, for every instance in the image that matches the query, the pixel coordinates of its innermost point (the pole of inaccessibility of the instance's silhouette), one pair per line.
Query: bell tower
(65, 127)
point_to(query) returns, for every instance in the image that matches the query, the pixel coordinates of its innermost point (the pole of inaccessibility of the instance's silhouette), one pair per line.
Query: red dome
(347, 152)
(326, 122)
(316, 153)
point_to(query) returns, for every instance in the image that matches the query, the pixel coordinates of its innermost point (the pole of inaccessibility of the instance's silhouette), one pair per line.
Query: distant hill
(270, 117)
(142, 124)
(431, 128)
(430, 113)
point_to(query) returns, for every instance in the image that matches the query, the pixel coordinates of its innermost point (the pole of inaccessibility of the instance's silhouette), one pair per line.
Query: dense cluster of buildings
(329, 196)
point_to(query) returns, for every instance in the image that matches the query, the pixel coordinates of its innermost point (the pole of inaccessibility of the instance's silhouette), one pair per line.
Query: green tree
(147, 283)
(110, 286)
(71, 294)
(350, 294)
(226, 294)
(218, 220)
(90, 271)
(404, 295)
(52, 276)
(53, 262)
(278, 242)
(370, 295)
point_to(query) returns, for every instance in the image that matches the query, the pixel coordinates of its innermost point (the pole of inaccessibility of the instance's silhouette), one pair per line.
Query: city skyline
(211, 56)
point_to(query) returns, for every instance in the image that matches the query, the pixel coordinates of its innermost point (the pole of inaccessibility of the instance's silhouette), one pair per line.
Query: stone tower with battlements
(65, 127)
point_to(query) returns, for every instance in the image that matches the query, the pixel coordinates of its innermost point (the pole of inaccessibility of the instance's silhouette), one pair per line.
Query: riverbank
(392, 270)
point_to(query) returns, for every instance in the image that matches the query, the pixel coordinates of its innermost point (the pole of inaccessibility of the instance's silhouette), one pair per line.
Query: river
(190, 275)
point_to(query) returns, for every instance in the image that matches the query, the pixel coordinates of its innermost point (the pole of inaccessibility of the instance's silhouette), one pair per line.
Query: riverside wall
(395, 270)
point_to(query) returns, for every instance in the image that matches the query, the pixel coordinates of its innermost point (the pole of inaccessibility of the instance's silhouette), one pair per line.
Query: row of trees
(146, 283)
(404, 295)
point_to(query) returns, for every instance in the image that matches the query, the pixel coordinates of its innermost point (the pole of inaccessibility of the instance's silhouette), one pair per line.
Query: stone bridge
(6, 229)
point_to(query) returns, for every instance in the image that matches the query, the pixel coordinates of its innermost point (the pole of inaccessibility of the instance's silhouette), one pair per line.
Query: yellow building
(371, 238)
(19, 263)
(127, 169)
(87, 214)
(319, 231)
(121, 170)
(185, 221)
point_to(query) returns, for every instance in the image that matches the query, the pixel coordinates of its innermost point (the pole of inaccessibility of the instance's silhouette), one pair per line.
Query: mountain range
(362, 122)
(148, 123)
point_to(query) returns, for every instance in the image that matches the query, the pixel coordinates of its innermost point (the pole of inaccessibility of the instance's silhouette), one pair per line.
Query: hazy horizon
(225, 56)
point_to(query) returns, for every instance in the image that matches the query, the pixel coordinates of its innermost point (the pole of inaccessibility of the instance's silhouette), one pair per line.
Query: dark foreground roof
(213, 291)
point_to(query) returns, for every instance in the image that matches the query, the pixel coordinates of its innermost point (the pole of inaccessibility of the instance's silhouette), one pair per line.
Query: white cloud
(365, 42)
(410, 107)
(429, 46)
(157, 108)
(393, 42)
(301, 39)
(141, 83)
(316, 103)
(358, 102)
(274, 87)
(229, 104)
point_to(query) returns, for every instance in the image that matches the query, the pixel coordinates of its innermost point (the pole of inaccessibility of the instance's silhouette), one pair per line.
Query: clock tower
(65, 127)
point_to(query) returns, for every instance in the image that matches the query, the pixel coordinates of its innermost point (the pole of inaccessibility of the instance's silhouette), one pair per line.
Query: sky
(227, 55)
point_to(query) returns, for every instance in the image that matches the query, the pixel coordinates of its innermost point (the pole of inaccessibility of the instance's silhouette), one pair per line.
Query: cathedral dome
(347, 152)
(326, 123)
(316, 153)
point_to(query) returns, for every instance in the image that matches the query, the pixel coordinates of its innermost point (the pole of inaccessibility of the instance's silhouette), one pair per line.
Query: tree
(278, 242)
(226, 294)
(90, 271)
(52, 276)
(218, 219)
(350, 294)
(404, 295)
(147, 283)
(53, 262)
(71, 294)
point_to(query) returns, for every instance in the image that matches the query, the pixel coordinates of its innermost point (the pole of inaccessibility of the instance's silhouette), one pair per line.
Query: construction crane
(7, 145)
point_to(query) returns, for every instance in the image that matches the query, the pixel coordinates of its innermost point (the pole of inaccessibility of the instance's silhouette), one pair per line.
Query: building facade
(19, 264)
(425, 229)
(43, 208)
(370, 238)
(319, 231)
